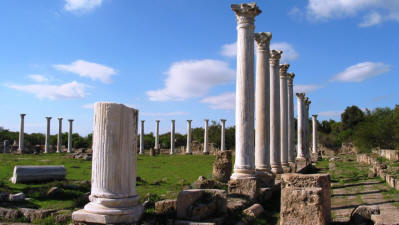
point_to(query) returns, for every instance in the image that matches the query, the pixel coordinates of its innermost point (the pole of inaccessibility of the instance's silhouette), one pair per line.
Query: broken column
(142, 138)
(59, 137)
(244, 166)
(188, 147)
(21, 134)
(47, 141)
(156, 147)
(291, 122)
(284, 116)
(113, 196)
(70, 137)
(222, 135)
(262, 105)
(305, 199)
(172, 138)
(243, 180)
(206, 144)
(275, 129)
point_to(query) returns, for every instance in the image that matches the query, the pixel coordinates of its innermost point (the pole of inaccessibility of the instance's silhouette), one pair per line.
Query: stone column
(5, 146)
(284, 116)
(70, 136)
(21, 134)
(113, 198)
(291, 121)
(206, 144)
(262, 102)
(47, 144)
(244, 166)
(275, 130)
(157, 135)
(300, 110)
(142, 138)
(59, 138)
(307, 136)
(222, 135)
(172, 138)
(188, 147)
(314, 134)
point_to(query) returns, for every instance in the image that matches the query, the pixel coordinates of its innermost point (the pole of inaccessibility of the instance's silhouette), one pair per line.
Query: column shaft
(141, 151)
(172, 138)
(59, 137)
(47, 145)
(157, 134)
(70, 137)
(284, 116)
(222, 135)
(300, 109)
(291, 121)
(206, 144)
(314, 135)
(188, 147)
(21, 134)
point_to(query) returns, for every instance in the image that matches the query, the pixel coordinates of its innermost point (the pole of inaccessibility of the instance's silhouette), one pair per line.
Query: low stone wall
(389, 154)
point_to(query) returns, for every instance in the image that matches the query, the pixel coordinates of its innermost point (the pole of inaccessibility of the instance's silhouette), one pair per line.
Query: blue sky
(176, 59)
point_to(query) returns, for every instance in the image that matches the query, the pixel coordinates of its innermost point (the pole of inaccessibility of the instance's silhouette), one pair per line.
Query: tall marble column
(141, 152)
(206, 144)
(156, 134)
(244, 166)
(275, 130)
(291, 121)
(113, 198)
(172, 138)
(47, 144)
(314, 134)
(188, 147)
(222, 135)
(300, 110)
(70, 136)
(307, 129)
(59, 137)
(262, 102)
(284, 116)
(21, 134)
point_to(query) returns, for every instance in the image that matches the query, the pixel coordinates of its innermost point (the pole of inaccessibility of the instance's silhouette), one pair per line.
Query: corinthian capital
(291, 78)
(307, 101)
(246, 13)
(263, 40)
(284, 68)
(300, 95)
(275, 56)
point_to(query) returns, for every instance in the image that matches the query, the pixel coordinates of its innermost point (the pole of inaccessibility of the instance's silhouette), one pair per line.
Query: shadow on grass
(357, 193)
(366, 204)
(358, 184)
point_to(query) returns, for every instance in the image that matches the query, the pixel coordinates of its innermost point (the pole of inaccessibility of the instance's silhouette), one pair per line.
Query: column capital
(300, 96)
(307, 101)
(315, 116)
(157, 121)
(291, 78)
(172, 121)
(246, 13)
(263, 40)
(22, 114)
(189, 121)
(206, 120)
(70, 120)
(142, 121)
(59, 119)
(48, 117)
(275, 56)
(223, 120)
(283, 70)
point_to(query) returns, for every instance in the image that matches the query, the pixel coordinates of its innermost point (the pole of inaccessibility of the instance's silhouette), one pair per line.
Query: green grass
(162, 176)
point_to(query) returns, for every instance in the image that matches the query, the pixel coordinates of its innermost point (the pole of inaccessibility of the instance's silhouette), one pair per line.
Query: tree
(351, 116)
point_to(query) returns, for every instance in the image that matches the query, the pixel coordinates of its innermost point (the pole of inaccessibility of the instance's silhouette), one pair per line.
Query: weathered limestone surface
(222, 167)
(113, 196)
(59, 137)
(305, 199)
(24, 174)
(248, 187)
(284, 116)
(21, 134)
(245, 96)
(262, 126)
(275, 126)
(166, 207)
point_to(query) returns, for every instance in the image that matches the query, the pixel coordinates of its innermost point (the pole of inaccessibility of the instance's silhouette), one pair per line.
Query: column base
(133, 216)
(277, 169)
(245, 186)
(301, 163)
(292, 165)
(265, 178)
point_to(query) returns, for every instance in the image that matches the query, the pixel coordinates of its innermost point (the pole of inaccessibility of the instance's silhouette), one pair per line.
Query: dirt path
(357, 190)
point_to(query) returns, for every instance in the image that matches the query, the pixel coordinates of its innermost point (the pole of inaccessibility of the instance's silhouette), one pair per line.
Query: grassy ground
(163, 175)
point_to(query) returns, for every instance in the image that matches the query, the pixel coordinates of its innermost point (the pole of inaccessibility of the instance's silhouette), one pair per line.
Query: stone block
(201, 204)
(203, 183)
(362, 214)
(16, 197)
(301, 164)
(254, 210)
(186, 222)
(248, 187)
(26, 174)
(223, 166)
(166, 207)
(305, 199)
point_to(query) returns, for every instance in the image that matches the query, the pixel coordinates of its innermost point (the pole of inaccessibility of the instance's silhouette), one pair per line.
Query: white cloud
(38, 78)
(88, 106)
(375, 11)
(63, 91)
(164, 113)
(224, 101)
(88, 69)
(81, 5)
(188, 79)
(289, 53)
(330, 113)
(306, 88)
(361, 71)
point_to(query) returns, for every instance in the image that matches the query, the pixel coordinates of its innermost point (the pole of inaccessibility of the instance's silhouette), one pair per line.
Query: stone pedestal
(244, 166)
(305, 199)
(222, 167)
(59, 137)
(47, 144)
(188, 147)
(113, 196)
(248, 187)
(206, 144)
(70, 137)
(21, 135)
(222, 132)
